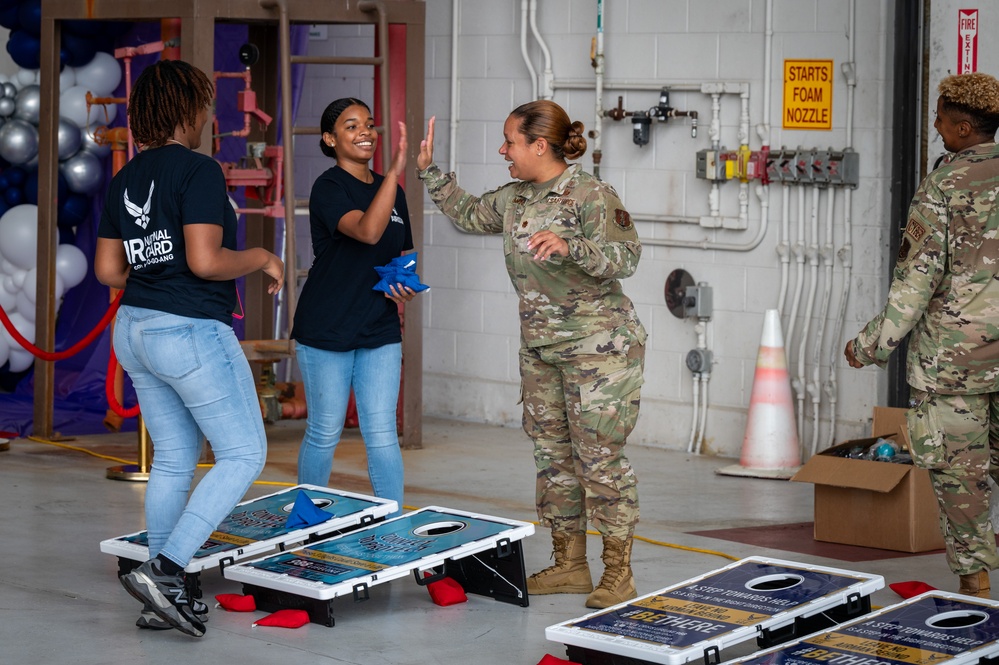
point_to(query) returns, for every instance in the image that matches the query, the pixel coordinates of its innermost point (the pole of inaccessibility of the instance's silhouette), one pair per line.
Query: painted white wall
(471, 335)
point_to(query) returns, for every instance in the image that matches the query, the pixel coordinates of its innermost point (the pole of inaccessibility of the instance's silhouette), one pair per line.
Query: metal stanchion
(136, 472)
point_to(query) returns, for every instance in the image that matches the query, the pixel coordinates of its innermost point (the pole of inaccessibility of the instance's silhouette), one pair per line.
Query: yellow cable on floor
(280, 483)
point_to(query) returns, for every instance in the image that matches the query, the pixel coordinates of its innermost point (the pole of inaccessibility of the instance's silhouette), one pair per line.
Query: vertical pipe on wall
(827, 258)
(545, 88)
(812, 253)
(845, 252)
(598, 67)
(453, 148)
(523, 49)
(784, 246)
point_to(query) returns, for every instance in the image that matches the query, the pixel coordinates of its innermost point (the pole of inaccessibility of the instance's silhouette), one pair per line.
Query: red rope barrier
(71, 351)
(109, 389)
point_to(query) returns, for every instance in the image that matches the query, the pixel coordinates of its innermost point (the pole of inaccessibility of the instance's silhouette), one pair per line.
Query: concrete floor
(60, 601)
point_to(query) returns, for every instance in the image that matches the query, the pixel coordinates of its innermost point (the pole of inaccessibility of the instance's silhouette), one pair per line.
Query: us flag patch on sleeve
(622, 219)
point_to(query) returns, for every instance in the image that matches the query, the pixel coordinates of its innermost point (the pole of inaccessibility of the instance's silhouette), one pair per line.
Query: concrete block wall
(471, 332)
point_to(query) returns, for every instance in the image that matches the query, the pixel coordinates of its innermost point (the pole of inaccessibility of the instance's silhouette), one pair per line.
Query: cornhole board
(258, 526)
(768, 599)
(936, 627)
(482, 553)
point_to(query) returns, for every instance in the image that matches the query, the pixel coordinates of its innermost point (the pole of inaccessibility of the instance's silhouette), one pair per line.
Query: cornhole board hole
(935, 628)
(259, 525)
(768, 599)
(480, 552)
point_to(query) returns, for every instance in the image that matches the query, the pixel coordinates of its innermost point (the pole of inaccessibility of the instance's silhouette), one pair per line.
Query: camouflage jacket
(945, 288)
(563, 298)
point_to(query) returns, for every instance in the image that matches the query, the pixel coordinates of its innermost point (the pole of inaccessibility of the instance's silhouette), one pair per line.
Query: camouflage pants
(956, 437)
(581, 402)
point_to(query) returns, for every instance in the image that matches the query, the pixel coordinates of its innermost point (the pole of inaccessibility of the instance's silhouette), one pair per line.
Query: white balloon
(23, 326)
(67, 78)
(8, 299)
(101, 75)
(19, 278)
(25, 306)
(6, 267)
(9, 286)
(19, 236)
(20, 360)
(4, 351)
(30, 287)
(26, 77)
(73, 107)
(70, 264)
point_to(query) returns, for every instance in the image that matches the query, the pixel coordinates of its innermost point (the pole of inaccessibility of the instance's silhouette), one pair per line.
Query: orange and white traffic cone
(770, 445)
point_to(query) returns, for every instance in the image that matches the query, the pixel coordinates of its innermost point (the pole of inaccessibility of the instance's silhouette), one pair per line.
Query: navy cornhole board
(936, 627)
(481, 552)
(770, 600)
(258, 526)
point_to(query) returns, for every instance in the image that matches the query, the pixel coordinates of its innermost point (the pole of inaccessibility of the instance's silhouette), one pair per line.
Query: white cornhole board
(481, 552)
(936, 627)
(257, 526)
(768, 599)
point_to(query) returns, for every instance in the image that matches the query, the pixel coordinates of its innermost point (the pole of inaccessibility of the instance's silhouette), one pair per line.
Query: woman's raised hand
(426, 156)
(399, 156)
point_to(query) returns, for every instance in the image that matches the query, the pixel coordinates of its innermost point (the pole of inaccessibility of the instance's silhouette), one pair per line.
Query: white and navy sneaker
(148, 619)
(166, 595)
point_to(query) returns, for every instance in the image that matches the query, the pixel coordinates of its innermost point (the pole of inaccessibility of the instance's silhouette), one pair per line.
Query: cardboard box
(874, 504)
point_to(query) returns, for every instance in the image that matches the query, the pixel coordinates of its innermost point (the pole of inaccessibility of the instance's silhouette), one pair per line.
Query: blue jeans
(328, 377)
(192, 380)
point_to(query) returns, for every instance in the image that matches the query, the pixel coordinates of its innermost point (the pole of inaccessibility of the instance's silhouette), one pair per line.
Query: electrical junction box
(697, 301)
(712, 165)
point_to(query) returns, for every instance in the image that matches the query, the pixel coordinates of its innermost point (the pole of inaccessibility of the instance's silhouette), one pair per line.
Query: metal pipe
(598, 113)
(290, 291)
(547, 76)
(453, 148)
(523, 49)
(845, 252)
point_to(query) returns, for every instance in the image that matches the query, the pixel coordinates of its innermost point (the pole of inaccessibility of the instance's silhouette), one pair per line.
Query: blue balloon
(16, 176)
(24, 49)
(81, 50)
(73, 210)
(30, 15)
(10, 17)
(30, 187)
(13, 196)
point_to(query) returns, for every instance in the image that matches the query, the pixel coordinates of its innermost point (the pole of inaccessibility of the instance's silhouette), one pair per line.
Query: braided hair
(167, 94)
(327, 123)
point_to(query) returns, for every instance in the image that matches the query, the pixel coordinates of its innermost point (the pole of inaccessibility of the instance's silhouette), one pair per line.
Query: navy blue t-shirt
(148, 203)
(338, 310)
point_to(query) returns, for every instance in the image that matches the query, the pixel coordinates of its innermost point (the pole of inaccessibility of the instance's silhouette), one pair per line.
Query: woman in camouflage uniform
(568, 240)
(945, 291)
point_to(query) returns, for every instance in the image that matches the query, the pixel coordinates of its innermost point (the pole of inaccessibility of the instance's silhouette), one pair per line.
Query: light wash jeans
(328, 377)
(192, 379)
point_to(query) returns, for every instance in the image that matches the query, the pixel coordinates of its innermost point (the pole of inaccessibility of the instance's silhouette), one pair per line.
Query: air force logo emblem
(141, 215)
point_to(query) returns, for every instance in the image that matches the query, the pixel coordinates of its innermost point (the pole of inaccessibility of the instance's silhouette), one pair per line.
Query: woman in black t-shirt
(167, 236)
(347, 334)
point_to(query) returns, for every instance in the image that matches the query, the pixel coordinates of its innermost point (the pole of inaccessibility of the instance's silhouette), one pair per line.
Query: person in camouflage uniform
(945, 291)
(568, 240)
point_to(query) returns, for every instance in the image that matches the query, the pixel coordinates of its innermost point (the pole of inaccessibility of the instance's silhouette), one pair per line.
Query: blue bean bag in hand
(400, 270)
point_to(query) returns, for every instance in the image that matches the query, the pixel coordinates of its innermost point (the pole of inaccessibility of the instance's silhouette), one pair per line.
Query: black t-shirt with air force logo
(148, 203)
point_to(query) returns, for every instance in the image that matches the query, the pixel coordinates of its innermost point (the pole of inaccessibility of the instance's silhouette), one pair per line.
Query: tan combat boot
(616, 584)
(976, 584)
(571, 573)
